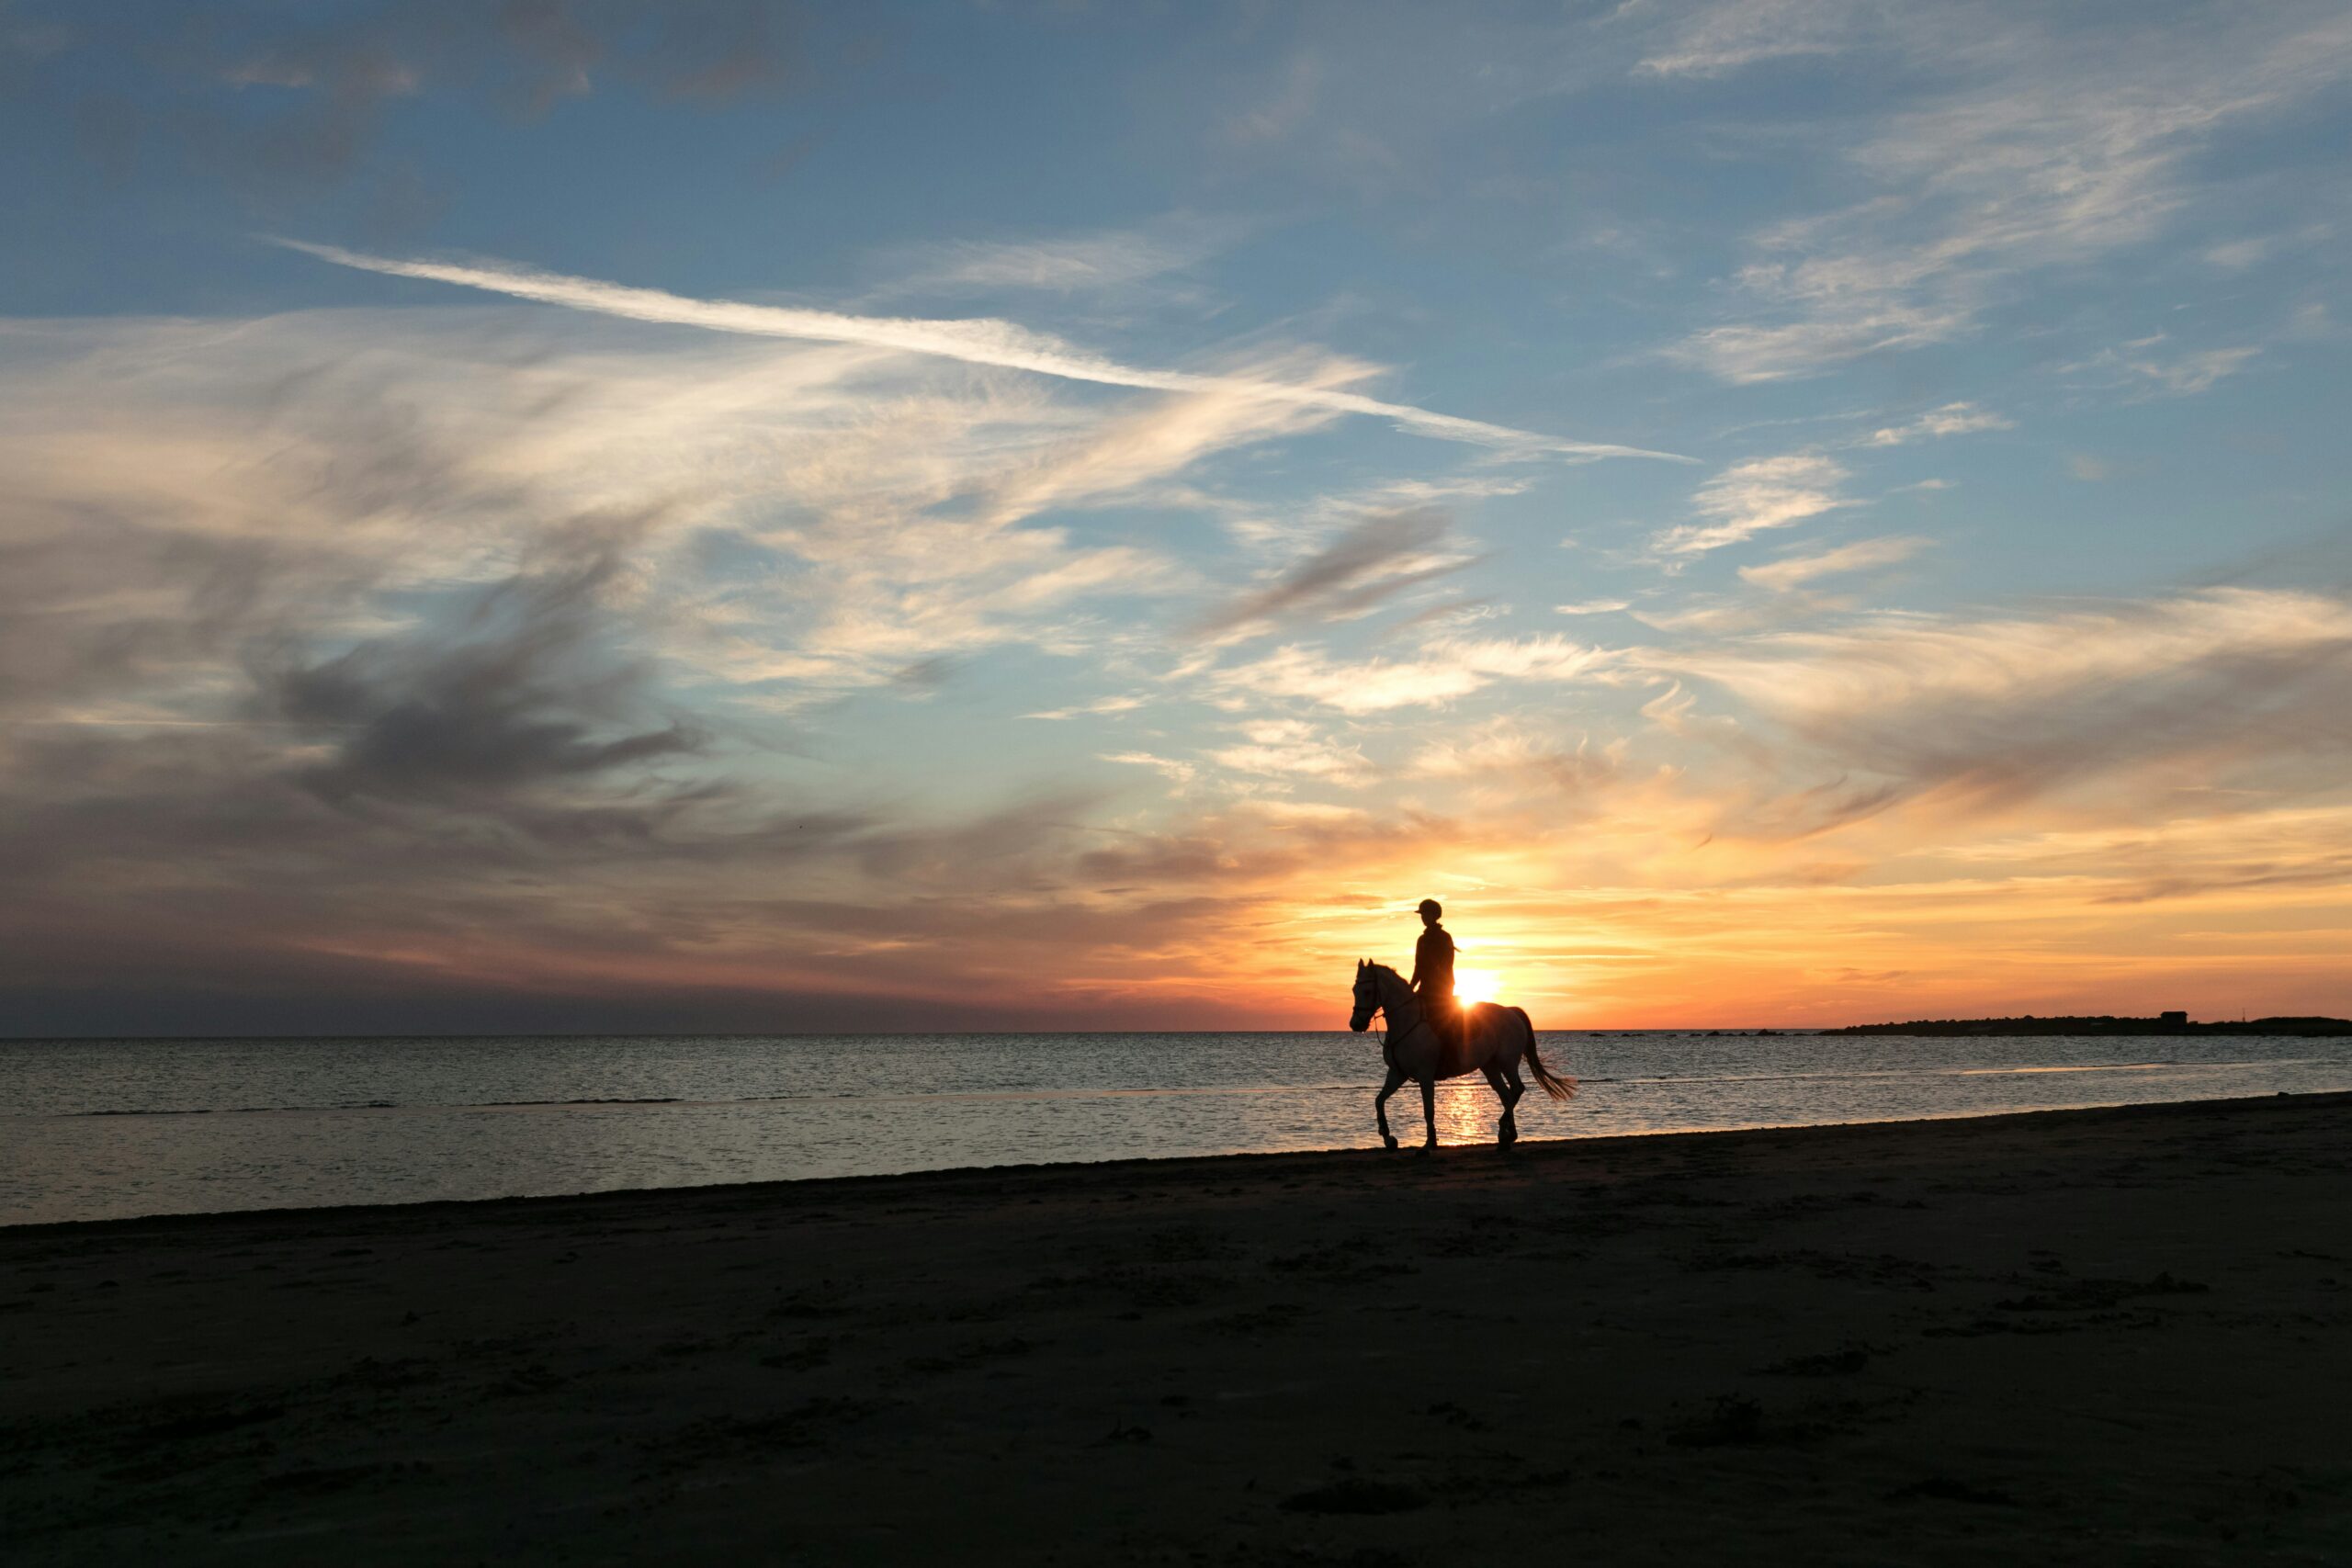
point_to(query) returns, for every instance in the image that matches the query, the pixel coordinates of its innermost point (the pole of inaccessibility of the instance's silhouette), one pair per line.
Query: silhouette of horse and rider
(1433, 1036)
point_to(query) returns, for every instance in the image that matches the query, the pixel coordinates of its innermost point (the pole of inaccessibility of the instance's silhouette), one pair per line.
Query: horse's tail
(1554, 1085)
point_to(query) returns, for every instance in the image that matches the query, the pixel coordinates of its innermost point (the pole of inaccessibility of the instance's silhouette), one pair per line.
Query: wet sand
(2074, 1336)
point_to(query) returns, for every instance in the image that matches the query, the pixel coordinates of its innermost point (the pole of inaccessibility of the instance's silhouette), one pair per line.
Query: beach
(2099, 1336)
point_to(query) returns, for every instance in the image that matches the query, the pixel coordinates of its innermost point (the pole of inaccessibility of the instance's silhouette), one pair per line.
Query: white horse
(1493, 1039)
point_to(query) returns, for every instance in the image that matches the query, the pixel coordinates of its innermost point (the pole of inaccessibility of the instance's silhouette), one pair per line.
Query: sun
(1475, 985)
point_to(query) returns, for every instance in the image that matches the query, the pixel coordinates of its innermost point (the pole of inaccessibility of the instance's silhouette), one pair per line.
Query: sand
(2101, 1336)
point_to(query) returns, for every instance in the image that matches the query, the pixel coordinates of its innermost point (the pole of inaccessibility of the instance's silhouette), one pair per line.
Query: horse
(1493, 1039)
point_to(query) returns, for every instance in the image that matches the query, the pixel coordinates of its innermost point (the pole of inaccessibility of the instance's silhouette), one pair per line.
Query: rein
(1388, 1023)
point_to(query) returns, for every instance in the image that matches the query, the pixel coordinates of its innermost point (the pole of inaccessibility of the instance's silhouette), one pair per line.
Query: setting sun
(1477, 985)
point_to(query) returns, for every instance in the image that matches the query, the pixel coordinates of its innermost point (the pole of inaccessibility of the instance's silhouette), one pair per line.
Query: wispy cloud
(1985, 714)
(1718, 38)
(1780, 576)
(1156, 439)
(2050, 148)
(1446, 669)
(1502, 748)
(974, 342)
(1178, 772)
(1123, 702)
(1295, 748)
(1952, 419)
(1374, 560)
(1748, 498)
(2141, 367)
(1068, 264)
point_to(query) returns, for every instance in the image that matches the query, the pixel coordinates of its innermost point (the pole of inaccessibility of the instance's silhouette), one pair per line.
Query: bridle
(1369, 1007)
(1369, 1004)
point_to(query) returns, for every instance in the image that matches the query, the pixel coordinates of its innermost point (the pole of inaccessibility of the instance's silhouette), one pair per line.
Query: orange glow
(1477, 985)
(1644, 914)
(1648, 916)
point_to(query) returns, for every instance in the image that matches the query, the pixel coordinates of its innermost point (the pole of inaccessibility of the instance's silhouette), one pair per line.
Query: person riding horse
(1433, 974)
(1489, 1039)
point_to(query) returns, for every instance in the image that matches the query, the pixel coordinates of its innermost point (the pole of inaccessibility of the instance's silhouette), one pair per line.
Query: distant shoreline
(2102, 1024)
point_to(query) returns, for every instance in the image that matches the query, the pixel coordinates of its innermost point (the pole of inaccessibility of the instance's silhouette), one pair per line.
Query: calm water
(97, 1129)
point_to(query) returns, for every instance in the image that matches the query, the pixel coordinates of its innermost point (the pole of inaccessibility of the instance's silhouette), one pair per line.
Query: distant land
(2105, 1023)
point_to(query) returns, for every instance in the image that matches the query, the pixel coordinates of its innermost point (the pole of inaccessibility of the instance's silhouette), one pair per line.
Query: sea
(106, 1128)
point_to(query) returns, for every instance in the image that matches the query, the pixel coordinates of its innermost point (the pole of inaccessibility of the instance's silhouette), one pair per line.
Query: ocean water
(102, 1129)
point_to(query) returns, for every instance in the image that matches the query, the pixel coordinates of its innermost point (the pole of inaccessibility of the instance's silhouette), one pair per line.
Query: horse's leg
(1507, 1130)
(1429, 1111)
(1511, 1056)
(1380, 1105)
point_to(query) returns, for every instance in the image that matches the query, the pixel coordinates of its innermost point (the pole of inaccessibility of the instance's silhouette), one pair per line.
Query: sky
(588, 516)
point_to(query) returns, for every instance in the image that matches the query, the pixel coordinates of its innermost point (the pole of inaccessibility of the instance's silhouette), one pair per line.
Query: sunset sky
(613, 517)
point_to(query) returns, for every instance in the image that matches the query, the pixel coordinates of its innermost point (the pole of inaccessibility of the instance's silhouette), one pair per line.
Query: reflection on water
(1466, 1111)
(103, 1128)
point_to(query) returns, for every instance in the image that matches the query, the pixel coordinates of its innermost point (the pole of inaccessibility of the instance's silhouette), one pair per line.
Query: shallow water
(102, 1129)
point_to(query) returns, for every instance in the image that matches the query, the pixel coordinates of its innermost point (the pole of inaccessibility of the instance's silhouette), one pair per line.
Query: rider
(1433, 972)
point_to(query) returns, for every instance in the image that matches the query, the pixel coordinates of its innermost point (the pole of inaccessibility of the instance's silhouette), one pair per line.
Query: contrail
(982, 342)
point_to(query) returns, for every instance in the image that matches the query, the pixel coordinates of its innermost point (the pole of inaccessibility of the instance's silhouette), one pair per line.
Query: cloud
(1715, 39)
(1793, 571)
(1501, 748)
(1986, 713)
(346, 645)
(284, 103)
(1745, 353)
(1291, 747)
(2136, 367)
(1379, 557)
(1592, 607)
(1952, 419)
(1124, 702)
(1447, 667)
(1748, 498)
(828, 516)
(2052, 146)
(977, 341)
(2236, 255)
(1134, 446)
(1112, 259)
(1178, 772)
(501, 712)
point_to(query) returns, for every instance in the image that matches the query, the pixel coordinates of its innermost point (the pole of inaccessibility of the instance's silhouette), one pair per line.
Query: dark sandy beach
(2078, 1337)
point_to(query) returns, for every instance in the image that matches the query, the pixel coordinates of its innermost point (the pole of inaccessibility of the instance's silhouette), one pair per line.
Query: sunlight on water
(107, 1128)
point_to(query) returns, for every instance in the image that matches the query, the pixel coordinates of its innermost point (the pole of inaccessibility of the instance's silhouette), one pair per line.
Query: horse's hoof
(1389, 1141)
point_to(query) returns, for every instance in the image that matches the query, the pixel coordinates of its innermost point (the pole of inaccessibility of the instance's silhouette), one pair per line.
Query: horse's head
(1367, 998)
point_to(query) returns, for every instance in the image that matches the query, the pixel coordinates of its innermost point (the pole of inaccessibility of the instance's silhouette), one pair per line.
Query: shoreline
(1527, 1146)
(2117, 1334)
(2102, 1026)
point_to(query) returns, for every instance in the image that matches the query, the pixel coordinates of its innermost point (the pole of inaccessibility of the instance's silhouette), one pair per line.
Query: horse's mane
(1384, 969)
